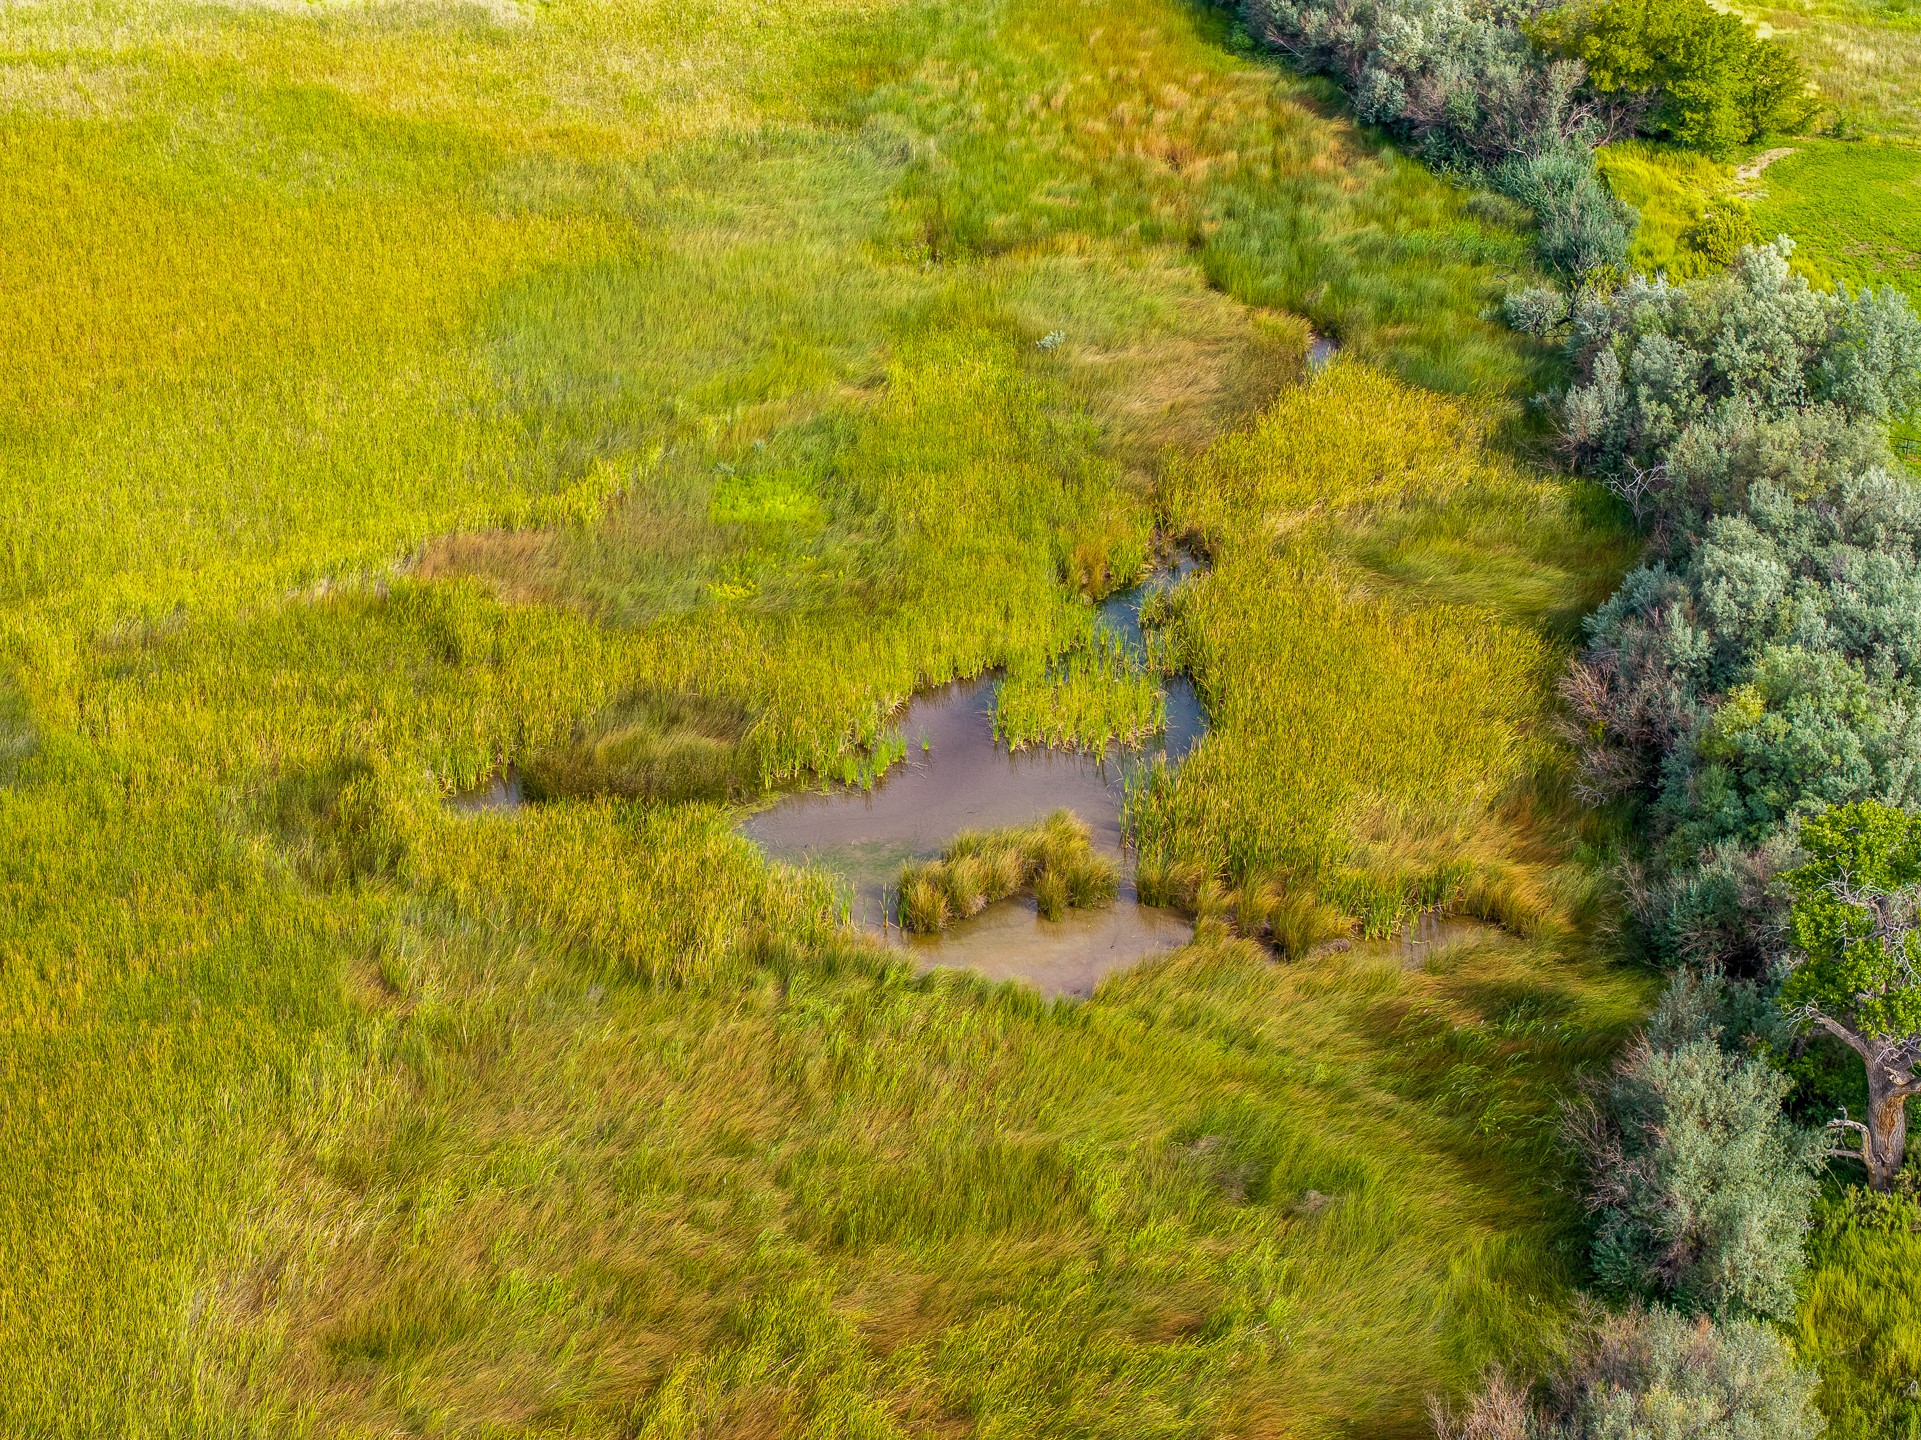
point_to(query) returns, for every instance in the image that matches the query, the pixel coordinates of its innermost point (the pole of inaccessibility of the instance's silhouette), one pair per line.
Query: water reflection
(499, 791)
(956, 777)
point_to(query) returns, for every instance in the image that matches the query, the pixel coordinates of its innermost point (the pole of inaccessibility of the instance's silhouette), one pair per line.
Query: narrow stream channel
(958, 776)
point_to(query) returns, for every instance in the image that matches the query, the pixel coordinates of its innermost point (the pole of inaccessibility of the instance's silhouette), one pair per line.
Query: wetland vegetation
(626, 410)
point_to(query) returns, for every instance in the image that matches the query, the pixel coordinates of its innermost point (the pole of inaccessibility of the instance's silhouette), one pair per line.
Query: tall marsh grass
(1096, 694)
(652, 396)
(1374, 644)
(1055, 861)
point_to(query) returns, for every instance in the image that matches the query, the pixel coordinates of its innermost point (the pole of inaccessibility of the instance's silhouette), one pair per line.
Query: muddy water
(956, 777)
(499, 791)
(1010, 941)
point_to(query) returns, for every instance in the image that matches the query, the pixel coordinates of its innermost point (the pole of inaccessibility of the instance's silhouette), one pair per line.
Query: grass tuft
(1055, 860)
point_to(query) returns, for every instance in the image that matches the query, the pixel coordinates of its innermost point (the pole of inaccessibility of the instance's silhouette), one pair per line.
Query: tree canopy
(1682, 70)
(1857, 906)
(1855, 920)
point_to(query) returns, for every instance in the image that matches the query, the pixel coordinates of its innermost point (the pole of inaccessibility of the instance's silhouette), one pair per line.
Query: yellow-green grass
(1384, 620)
(1860, 1321)
(400, 390)
(1096, 693)
(1863, 57)
(1670, 189)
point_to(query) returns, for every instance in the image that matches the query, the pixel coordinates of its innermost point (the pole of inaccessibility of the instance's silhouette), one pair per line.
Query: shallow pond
(501, 790)
(956, 777)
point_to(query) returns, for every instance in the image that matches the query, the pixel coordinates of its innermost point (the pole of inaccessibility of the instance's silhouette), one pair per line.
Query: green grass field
(654, 396)
(1854, 210)
(1863, 56)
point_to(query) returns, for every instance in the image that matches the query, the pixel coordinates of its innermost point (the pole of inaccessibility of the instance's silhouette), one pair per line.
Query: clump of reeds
(1055, 860)
(1292, 918)
(1094, 695)
(650, 745)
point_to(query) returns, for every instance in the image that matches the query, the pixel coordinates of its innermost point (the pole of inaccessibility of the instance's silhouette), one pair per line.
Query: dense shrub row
(1519, 93)
(1463, 84)
(1762, 664)
(1756, 687)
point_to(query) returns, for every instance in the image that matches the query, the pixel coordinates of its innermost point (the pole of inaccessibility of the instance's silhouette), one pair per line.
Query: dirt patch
(516, 564)
(1752, 170)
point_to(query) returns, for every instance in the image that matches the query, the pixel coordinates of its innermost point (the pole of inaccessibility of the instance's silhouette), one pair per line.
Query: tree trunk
(1886, 1142)
(1894, 1073)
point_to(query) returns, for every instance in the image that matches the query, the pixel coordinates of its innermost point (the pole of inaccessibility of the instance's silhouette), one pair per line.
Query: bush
(1467, 90)
(1701, 1190)
(1754, 366)
(1584, 230)
(1763, 665)
(1772, 675)
(1536, 310)
(1726, 227)
(1677, 379)
(1656, 1375)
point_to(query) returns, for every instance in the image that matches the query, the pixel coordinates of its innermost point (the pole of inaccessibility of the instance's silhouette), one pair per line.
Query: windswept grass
(1055, 861)
(1376, 641)
(1859, 1319)
(653, 396)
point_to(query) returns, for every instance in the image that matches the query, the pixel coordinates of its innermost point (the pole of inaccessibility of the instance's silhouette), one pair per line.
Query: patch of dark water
(501, 790)
(1120, 614)
(1320, 350)
(958, 776)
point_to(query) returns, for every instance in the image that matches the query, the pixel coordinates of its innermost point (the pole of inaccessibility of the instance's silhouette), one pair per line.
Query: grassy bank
(656, 395)
(1863, 56)
(1858, 1320)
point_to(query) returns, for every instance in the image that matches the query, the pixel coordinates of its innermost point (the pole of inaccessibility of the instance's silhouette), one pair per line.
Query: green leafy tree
(1857, 973)
(1773, 92)
(1682, 70)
